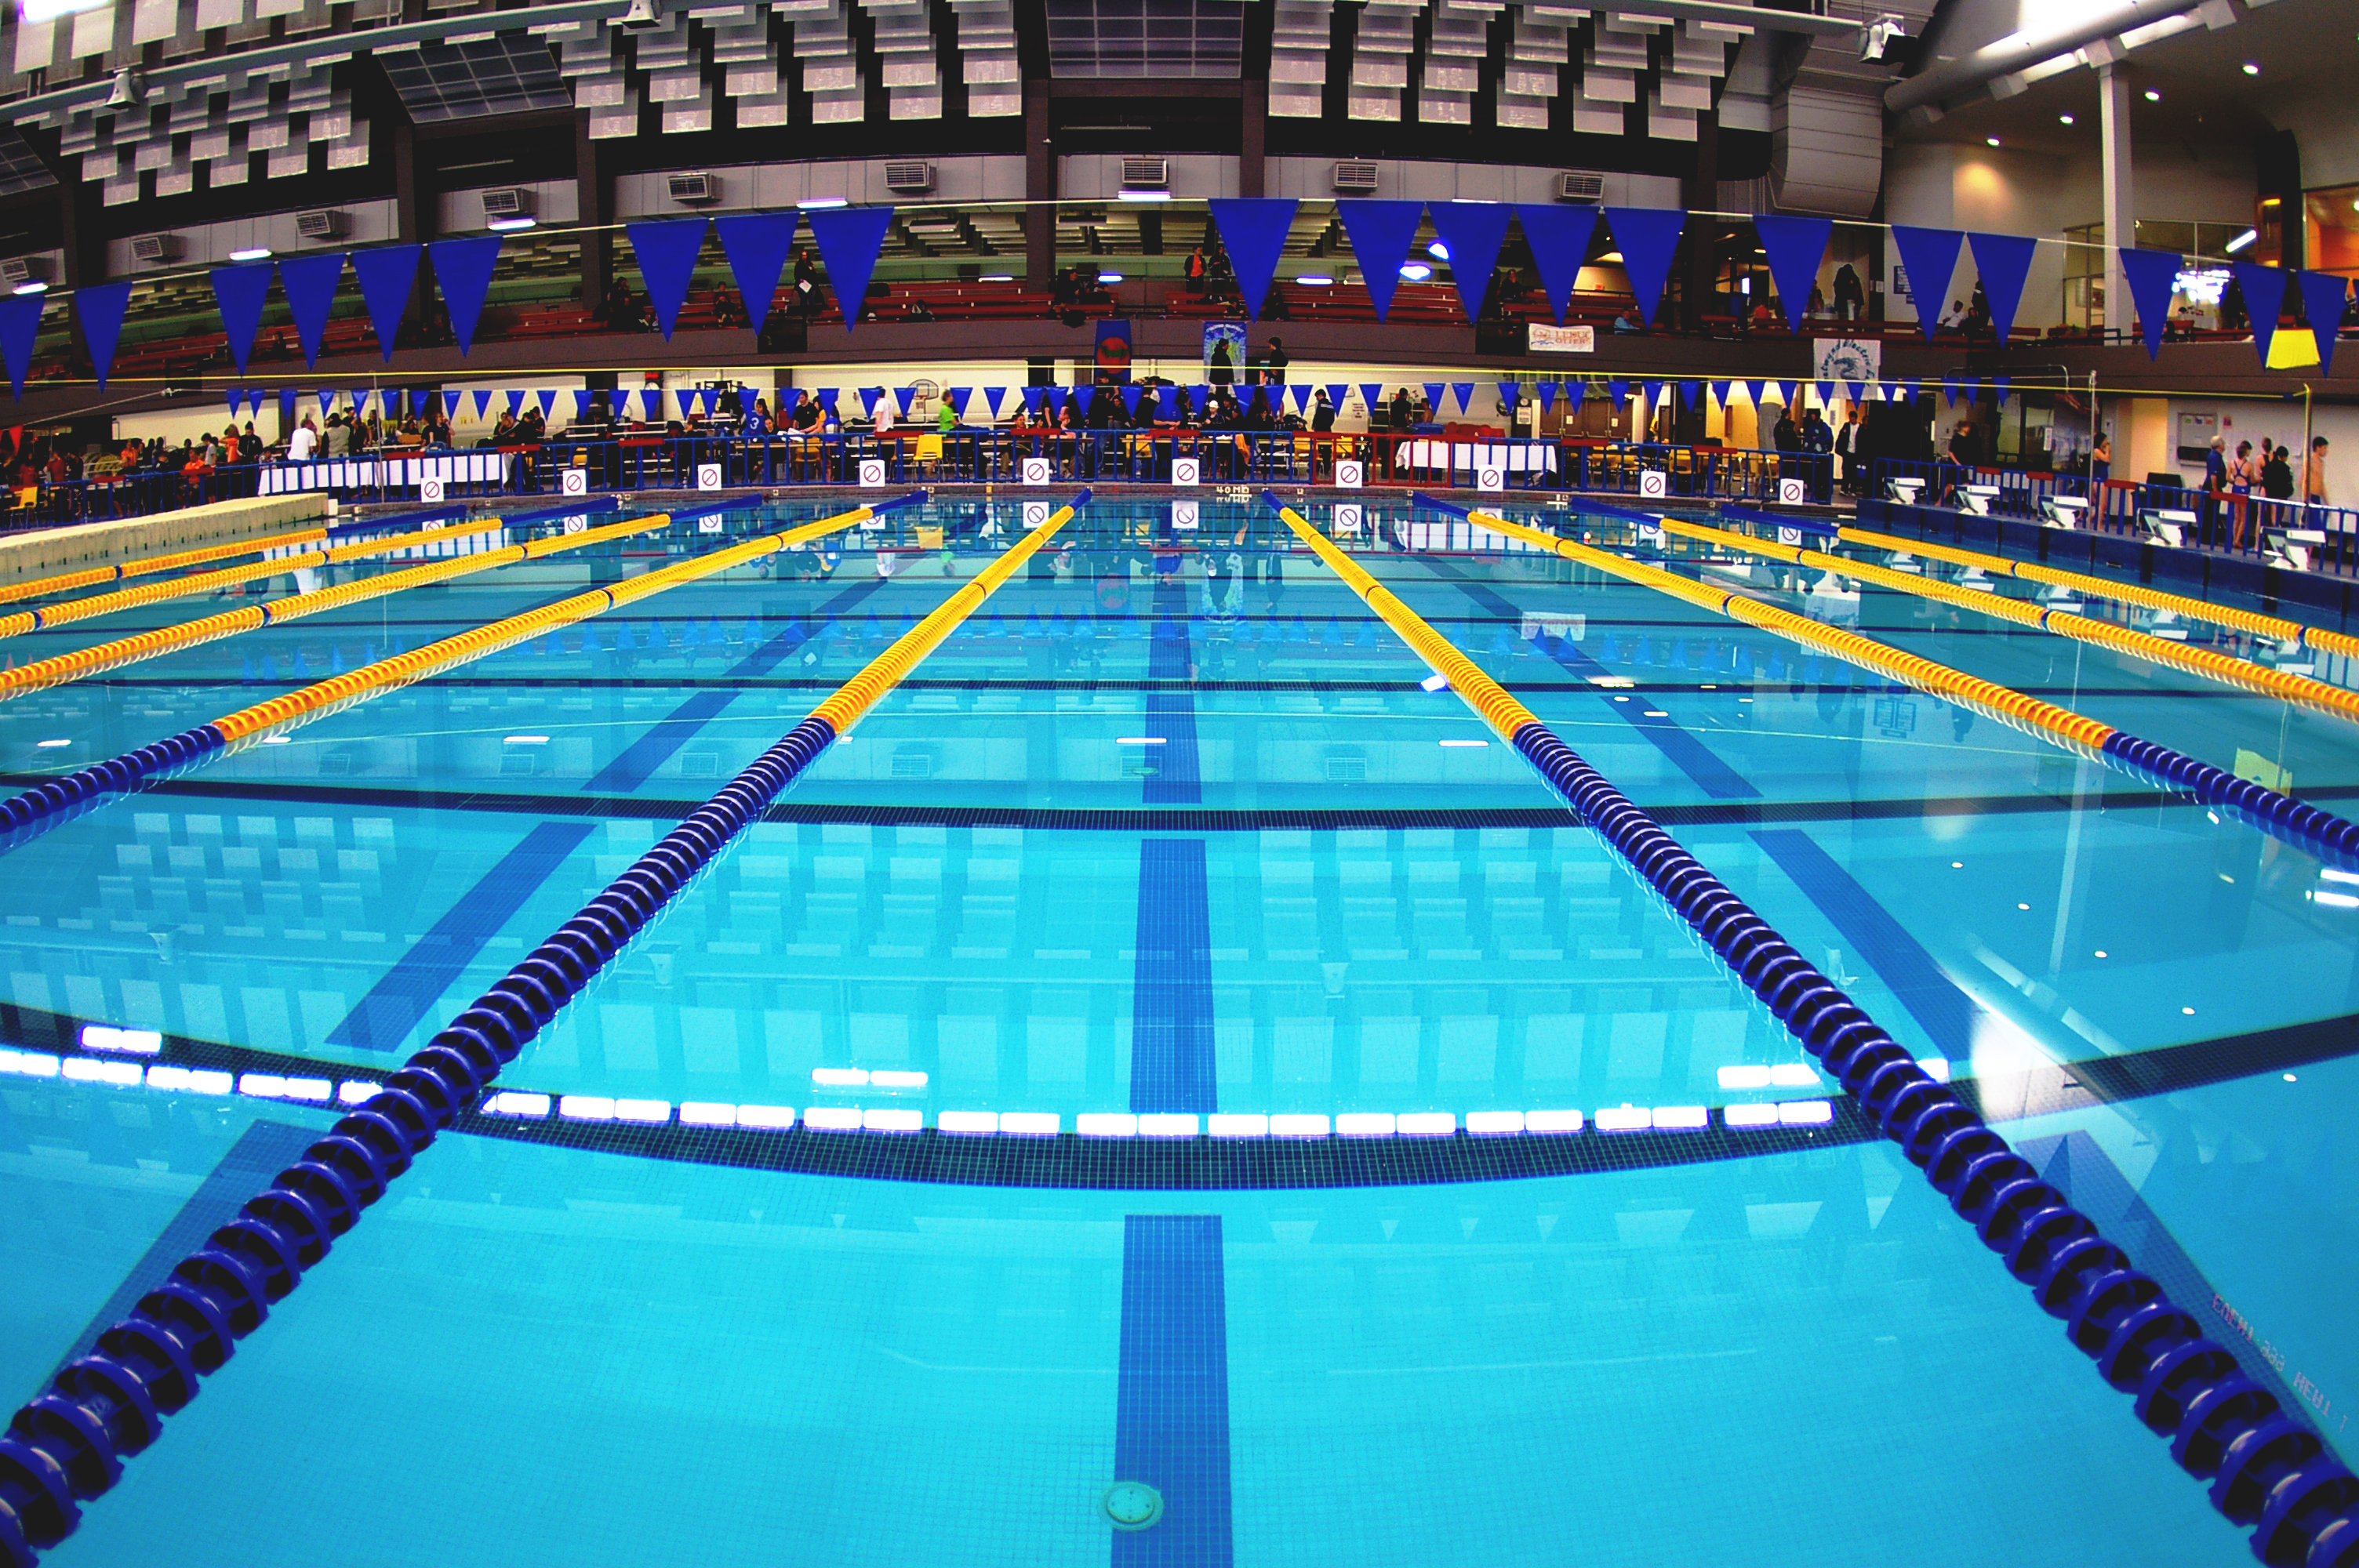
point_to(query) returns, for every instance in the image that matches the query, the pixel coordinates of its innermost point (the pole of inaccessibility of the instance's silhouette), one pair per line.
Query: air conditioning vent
(1580, 185)
(508, 202)
(908, 175)
(17, 271)
(156, 250)
(1145, 173)
(324, 225)
(1355, 174)
(694, 190)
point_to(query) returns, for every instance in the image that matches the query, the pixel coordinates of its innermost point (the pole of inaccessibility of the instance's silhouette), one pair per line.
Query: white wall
(209, 244)
(462, 211)
(769, 187)
(1313, 179)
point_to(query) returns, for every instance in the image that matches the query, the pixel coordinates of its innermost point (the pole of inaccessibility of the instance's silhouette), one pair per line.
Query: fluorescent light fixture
(1365, 1124)
(968, 1121)
(832, 1119)
(892, 1120)
(510, 226)
(1030, 1123)
(996, 277)
(643, 1110)
(1466, 743)
(1437, 681)
(2252, 68)
(707, 1113)
(524, 739)
(91, 1070)
(1146, 196)
(137, 1042)
(1425, 1124)
(251, 253)
(1749, 1116)
(1109, 277)
(1315, 279)
(1745, 1077)
(48, 745)
(2241, 241)
(1232, 1124)
(1298, 1126)
(31, 1063)
(1139, 740)
(766, 1116)
(1168, 1124)
(1680, 1118)
(160, 1077)
(352, 1091)
(1438, 251)
(1107, 1124)
(2335, 900)
(840, 1077)
(1793, 1075)
(1492, 1123)
(885, 1078)
(586, 1108)
(822, 202)
(2152, 96)
(1934, 1067)
(1625, 1119)
(2064, 119)
(1806, 1113)
(1553, 1121)
(32, 285)
(1990, 141)
(278, 740)
(512, 1102)
(1416, 272)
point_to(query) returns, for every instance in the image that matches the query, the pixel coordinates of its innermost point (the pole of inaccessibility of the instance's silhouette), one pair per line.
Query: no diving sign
(1654, 481)
(1036, 513)
(1794, 492)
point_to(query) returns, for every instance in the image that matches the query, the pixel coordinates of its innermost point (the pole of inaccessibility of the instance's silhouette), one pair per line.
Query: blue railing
(2250, 526)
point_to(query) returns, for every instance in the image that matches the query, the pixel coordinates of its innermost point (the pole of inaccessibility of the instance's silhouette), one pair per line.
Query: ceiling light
(2252, 68)
(130, 88)
(251, 253)
(1109, 277)
(508, 225)
(2152, 96)
(1146, 196)
(1416, 272)
(2241, 241)
(2063, 119)
(996, 277)
(32, 285)
(808, 201)
(1316, 279)
(1990, 141)
(1438, 251)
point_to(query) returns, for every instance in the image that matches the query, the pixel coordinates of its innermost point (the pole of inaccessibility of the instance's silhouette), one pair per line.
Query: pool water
(1172, 828)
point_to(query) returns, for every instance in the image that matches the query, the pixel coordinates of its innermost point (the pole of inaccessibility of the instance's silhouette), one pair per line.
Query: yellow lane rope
(148, 566)
(74, 609)
(2206, 662)
(2076, 730)
(85, 662)
(354, 687)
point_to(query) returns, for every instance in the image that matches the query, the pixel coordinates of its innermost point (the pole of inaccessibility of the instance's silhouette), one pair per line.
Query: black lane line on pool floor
(1172, 1398)
(407, 991)
(1209, 1163)
(1171, 1058)
(1683, 751)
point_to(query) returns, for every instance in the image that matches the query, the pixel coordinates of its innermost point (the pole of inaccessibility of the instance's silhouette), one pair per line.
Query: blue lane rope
(68, 1444)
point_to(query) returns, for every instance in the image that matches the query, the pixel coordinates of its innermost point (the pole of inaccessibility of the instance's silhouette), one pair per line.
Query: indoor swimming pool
(1170, 1038)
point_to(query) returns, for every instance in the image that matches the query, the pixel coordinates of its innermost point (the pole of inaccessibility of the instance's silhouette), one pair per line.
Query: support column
(2119, 210)
(1255, 127)
(594, 192)
(1039, 186)
(1700, 192)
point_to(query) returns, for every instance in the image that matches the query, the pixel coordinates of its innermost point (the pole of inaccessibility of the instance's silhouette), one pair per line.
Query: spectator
(303, 443)
(1850, 300)
(1786, 435)
(806, 284)
(2277, 473)
(1847, 453)
(1322, 413)
(1816, 435)
(2100, 459)
(1274, 363)
(2313, 473)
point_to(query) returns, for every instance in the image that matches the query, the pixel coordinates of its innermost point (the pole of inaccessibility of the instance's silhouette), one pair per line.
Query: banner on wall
(1846, 359)
(1224, 351)
(1547, 340)
(1114, 351)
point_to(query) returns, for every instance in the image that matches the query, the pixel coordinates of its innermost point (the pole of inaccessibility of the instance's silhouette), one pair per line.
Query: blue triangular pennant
(1826, 394)
(236, 400)
(327, 400)
(665, 251)
(2152, 277)
(826, 398)
(287, 397)
(903, 397)
(1930, 255)
(1574, 390)
(1617, 392)
(1999, 385)
(483, 401)
(310, 283)
(960, 397)
(1472, 232)
(1560, 239)
(1372, 394)
(1510, 395)
(1081, 396)
(1795, 247)
(1055, 398)
(756, 244)
(1337, 393)
(451, 403)
(849, 240)
(2003, 262)
(1465, 392)
(1033, 397)
(547, 400)
(515, 400)
(582, 397)
(240, 290)
(1380, 233)
(1253, 228)
(2263, 289)
(1166, 402)
(360, 396)
(464, 270)
(1433, 391)
(1649, 237)
(2322, 293)
(1130, 395)
(387, 276)
(1546, 390)
(99, 308)
(20, 323)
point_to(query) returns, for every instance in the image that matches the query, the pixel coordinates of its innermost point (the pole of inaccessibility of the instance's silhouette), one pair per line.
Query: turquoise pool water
(600, 1339)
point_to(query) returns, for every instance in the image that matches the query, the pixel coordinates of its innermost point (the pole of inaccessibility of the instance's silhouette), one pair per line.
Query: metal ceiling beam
(2021, 50)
